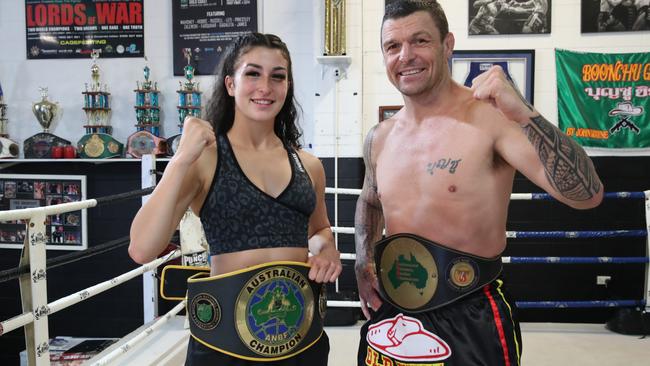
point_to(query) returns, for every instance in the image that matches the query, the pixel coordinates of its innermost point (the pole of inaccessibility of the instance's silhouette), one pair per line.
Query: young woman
(261, 202)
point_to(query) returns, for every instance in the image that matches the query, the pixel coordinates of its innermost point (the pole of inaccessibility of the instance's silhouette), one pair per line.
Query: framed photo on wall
(387, 111)
(509, 17)
(519, 66)
(66, 231)
(614, 16)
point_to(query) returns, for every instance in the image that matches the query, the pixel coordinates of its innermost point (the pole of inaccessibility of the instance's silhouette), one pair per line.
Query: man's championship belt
(263, 313)
(417, 275)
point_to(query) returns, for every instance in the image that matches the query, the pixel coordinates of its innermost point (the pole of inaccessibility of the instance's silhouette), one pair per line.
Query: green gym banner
(604, 99)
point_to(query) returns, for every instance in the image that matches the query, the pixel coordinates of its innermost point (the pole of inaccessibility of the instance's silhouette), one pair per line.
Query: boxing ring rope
(106, 359)
(33, 275)
(550, 259)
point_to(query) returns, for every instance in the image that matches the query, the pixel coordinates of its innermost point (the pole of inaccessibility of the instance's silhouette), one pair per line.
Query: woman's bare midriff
(224, 263)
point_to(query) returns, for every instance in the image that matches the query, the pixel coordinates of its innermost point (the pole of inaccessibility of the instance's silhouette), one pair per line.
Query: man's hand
(368, 288)
(493, 86)
(325, 266)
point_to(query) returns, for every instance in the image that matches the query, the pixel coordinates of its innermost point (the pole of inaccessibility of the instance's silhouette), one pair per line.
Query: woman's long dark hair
(220, 110)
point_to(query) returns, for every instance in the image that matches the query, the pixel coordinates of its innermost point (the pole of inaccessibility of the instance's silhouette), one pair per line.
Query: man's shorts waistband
(263, 313)
(417, 275)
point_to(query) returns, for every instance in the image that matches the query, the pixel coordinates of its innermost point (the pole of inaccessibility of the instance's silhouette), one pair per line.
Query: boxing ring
(32, 274)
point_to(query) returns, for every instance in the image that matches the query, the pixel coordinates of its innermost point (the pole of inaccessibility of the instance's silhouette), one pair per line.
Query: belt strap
(263, 313)
(417, 275)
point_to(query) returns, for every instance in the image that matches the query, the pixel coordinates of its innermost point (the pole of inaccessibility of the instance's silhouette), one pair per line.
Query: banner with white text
(604, 99)
(74, 28)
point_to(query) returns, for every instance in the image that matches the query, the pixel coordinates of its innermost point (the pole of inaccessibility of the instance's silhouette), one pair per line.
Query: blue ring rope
(577, 234)
(578, 260)
(579, 304)
(608, 195)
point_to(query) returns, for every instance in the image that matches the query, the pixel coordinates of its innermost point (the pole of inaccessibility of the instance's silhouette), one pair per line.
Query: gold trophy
(335, 28)
(40, 145)
(98, 143)
(8, 148)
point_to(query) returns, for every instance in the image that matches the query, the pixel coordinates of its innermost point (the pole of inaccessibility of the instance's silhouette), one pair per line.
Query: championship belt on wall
(417, 275)
(146, 140)
(40, 145)
(99, 146)
(262, 313)
(8, 148)
(172, 144)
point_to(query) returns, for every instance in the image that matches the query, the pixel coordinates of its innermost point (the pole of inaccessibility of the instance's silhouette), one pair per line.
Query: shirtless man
(439, 175)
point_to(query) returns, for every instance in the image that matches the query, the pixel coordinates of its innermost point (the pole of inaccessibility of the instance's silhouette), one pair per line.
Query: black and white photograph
(615, 16)
(509, 17)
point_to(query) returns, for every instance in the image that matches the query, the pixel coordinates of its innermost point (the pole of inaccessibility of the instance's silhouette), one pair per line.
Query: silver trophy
(40, 145)
(45, 111)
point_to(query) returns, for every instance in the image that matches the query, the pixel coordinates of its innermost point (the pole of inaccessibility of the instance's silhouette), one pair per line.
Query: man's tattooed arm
(568, 168)
(368, 218)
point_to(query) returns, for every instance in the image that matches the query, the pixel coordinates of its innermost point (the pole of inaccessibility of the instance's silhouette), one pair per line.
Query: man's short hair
(402, 8)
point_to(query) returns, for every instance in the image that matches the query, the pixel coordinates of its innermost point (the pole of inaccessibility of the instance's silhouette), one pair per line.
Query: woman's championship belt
(417, 275)
(263, 313)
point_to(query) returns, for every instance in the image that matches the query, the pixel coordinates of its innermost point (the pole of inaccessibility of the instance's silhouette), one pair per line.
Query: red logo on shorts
(404, 338)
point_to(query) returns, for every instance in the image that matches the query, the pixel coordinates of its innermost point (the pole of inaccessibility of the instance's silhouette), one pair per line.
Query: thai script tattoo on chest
(448, 164)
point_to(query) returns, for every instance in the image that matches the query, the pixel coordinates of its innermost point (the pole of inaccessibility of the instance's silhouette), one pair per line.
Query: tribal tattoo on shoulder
(567, 166)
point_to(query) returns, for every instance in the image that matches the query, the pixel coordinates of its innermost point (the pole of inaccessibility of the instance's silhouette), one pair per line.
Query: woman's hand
(326, 265)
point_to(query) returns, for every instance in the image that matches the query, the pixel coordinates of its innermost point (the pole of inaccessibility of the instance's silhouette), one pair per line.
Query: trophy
(146, 139)
(98, 143)
(334, 28)
(189, 101)
(8, 148)
(40, 146)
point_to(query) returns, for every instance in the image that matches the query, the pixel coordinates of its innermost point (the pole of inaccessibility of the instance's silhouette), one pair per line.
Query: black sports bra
(237, 215)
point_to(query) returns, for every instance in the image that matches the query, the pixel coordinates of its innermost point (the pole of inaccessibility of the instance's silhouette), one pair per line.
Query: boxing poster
(509, 17)
(74, 28)
(604, 99)
(202, 29)
(614, 15)
(64, 231)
